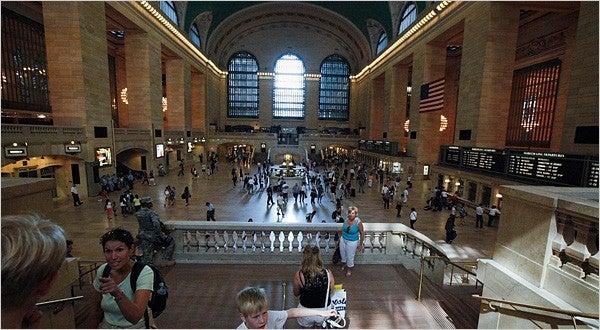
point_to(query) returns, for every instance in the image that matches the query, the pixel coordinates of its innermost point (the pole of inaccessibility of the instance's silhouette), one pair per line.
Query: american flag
(432, 96)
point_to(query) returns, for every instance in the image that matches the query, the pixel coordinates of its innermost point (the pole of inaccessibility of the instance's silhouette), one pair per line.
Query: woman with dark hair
(312, 285)
(118, 306)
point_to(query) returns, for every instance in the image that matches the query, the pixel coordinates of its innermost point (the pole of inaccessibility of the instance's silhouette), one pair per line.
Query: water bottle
(162, 290)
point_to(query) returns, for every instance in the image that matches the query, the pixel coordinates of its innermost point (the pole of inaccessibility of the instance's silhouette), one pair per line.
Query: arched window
(382, 42)
(289, 87)
(409, 15)
(195, 35)
(242, 86)
(168, 8)
(334, 88)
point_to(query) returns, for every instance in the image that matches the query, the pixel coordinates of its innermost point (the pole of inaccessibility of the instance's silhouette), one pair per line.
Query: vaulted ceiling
(311, 30)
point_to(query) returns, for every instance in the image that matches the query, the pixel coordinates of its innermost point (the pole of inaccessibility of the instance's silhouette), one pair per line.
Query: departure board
(484, 159)
(592, 178)
(527, 166)
(548, 167)
(452, 155)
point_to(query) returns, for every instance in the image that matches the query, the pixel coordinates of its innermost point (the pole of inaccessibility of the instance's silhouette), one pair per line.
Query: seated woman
(117, 305)
(310, 286)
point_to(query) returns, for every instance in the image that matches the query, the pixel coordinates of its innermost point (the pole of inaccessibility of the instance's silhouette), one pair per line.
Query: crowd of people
(121, 306)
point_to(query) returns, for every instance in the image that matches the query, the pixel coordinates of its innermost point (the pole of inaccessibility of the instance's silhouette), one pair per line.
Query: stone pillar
(311, 101)
(398, 82)
(487, 66)
(377, 108)
(265, 100)
(178, 76)
(144, 80)
(198, 102)
(429, 63)
(77, 64)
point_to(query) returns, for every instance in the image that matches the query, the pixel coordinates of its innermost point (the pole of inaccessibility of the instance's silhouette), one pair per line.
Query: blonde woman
(353, 235)
(311, 286)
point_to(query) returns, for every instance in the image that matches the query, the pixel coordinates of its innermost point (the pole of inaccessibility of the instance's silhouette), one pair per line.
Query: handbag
(334, 322)
(338, 300)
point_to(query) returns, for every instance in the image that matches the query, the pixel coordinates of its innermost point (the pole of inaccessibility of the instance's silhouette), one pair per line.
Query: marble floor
(86, 223)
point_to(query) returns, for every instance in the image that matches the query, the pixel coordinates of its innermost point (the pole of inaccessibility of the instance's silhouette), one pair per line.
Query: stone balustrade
(282, 243)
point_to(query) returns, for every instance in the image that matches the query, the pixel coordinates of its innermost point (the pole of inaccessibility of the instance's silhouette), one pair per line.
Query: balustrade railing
(281, 243)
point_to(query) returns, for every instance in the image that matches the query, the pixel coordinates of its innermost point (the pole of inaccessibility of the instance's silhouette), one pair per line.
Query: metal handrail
(574, 315)
(455, 264)
(63, 300)
(60, 307)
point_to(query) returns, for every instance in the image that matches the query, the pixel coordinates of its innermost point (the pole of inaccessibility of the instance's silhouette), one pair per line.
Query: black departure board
(452, 155)
(548, 168)
(484, 159)
(592, 176)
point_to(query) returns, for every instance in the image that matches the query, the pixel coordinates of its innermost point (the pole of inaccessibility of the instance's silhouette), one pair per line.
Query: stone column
(487, 65)
(398, 83)
(198, 102)
(377, 108)
(429, 65)
(76, 49)
(144, 80)
(178, 76)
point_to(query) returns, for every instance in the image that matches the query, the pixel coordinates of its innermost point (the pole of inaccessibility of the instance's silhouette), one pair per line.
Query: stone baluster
(234, 238)
(254, 241)
(383, 242)
(263, 238)
(367, 243)
(578, 250)
(376, 243)
(418, 251)
(292, 242)
(225, 241)
(210, 241)
(300, 239)
(318, 239)
(272, 239)
(327, 239)
(558, 242)
(281, 241)
(202, 238)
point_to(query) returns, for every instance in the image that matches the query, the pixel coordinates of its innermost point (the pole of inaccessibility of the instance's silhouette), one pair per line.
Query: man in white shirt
(210, 211)
(413, 217)
(479, 216)
(75, 194)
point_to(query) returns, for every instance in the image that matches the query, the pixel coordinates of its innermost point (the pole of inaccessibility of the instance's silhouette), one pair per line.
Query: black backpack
(160, 293)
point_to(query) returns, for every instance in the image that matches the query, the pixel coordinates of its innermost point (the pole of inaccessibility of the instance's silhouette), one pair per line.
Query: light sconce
(499, 195)
(457, 183)
(443, 123)
(447, 180)
(203, 140)
(181, 140)
(164, 104)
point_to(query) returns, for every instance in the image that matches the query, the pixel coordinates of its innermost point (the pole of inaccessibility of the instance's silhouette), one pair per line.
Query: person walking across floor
(153, 235)
(353, 235)
(492, 215)
(479, 216)
(413, 217)
(313, 285)
(186, 195)
(75, 194)
(210, 212)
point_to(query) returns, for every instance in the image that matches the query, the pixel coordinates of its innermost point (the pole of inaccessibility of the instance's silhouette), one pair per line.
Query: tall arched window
(195, 35)
(242, 86)
(382, 42)
(409, 15)
(334, 88)
(168, 8)
(289, 87)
